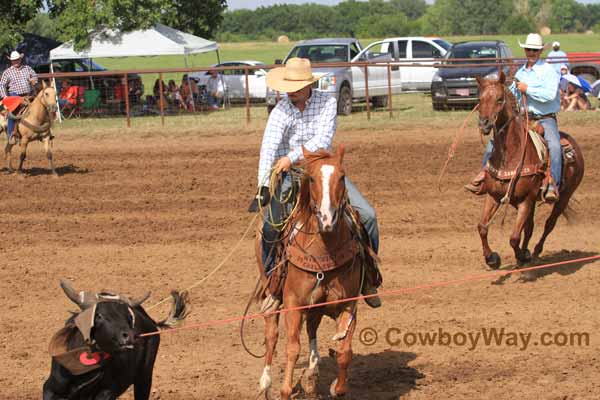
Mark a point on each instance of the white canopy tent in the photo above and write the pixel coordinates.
(156, 41)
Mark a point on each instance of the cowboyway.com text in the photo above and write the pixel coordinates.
(472, 339)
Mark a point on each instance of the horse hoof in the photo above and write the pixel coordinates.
(525, 257)
(333, 392)
(493, 260)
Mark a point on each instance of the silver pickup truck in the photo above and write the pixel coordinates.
(347, 84)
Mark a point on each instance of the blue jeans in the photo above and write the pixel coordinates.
(552, 137)
(212, 101)
(271, 234)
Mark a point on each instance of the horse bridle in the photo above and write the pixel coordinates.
(497, 113)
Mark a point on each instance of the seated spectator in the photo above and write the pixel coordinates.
(119, 90)
(187, 95)
(156, 90)
(174, 95)
(135, 91)
(67, 98)
(575, 98)
(214, 90)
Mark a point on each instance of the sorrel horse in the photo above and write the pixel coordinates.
(323, 263)
(515, 156)
(35, 123)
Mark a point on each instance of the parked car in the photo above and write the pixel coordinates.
(234, 80)
(105, 84)
(456, 87)
(424, 51)
(346, 84)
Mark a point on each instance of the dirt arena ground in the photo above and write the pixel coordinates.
(139, 214)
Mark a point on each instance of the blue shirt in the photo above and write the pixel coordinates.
(542, 88)
(557, 63)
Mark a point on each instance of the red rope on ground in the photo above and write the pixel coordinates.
(396, 292)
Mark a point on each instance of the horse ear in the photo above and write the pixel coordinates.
(479, 80)
(44, 85)
(502, 78)
(340, 152)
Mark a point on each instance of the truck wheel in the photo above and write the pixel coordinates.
(345, 101)
(380, 101)
(437, 106)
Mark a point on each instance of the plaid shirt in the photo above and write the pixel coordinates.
(288, 130)
(17, 81)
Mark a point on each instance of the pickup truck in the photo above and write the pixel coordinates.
(347, 84)
(589, 70)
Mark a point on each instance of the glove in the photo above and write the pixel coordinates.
(264, 197)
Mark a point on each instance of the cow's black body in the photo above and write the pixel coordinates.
(114, 334)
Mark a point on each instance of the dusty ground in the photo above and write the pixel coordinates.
(154, 214)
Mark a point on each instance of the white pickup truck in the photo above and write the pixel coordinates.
(347, 85)
(418, 50)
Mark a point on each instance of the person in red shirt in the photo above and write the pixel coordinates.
(68, 95)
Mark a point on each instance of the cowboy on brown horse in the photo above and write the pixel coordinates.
(305, 117)
(539, 82)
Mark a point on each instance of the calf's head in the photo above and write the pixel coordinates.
(106, 321)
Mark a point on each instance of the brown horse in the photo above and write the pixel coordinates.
(323, 263)
(514, 150)
(34, 123)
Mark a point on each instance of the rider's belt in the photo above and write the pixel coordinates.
(537, 117)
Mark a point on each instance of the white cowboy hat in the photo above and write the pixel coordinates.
(296, 75)
(533, 41)
(555, 44)
(15, 55)
(572, 79)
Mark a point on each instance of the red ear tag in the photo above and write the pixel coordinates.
(93, 358)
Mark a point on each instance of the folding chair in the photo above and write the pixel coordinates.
(91, 102)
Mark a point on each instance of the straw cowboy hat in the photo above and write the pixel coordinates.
(296, 75)
(15, 55)
(533, 41)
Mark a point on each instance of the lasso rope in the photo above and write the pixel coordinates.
(454, 145)
(217, 268)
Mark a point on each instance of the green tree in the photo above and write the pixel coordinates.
(199, 17)
(15, 15)
(467, 17)
(413, 9)
(42, 25)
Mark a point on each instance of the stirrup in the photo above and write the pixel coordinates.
(551, 196)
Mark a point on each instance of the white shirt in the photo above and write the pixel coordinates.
(288, 130)
(215, 85)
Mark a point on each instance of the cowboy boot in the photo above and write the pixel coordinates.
(476, 186)
(551, 194)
